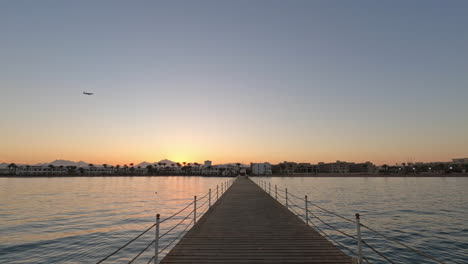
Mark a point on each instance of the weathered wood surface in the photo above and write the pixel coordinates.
(247, 225)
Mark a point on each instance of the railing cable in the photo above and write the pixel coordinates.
(168, 245)
(151, 259)
(141, 252)
(330, 212)
(180, 211)
(180, 222)
(128, 243)
(338, 243)
(401, 244)
(376, 251)
(332, 227)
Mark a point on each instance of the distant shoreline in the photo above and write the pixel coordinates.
(320, 175)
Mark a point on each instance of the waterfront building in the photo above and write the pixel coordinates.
(261, 168)
(366, 167)
(41, 170)
(336, 167)
(287, 167)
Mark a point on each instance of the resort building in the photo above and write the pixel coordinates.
(336, 167)
(41, 170)
(260, 168)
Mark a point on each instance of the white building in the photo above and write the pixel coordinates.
(222, 170)
(41, 170)
(260, 168)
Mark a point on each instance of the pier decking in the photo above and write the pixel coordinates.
(247, 225)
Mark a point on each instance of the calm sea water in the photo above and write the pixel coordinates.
(81, 220)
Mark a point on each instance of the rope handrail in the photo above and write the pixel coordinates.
(330, 212)
(180, 222)
(203, 204)
(206, 210)
(279, 195)
(203, 197)
(299, 198)
(294, 211)
(151, 259)
(332, 227)
(343, 246)
(376, 251)
(141, 252)
(176, 237)
(180, 211)
(199, 213)
(128, 243)
(351, 221)
(404, 245)
(283, 191)
(291, 202)
(227, 185)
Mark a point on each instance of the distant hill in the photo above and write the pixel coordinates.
(83, 164)
(4, 165)
(65, 163)
(144, 164)
(166, 161)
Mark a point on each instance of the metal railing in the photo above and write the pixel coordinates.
(199, 206)
(290, 201)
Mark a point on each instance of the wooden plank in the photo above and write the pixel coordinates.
(246, 225)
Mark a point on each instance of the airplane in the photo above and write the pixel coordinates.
(88, 93)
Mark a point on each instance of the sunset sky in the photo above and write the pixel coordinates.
(233, 81)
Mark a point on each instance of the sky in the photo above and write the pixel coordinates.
(233, 81)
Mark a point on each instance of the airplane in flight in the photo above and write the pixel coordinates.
(88, 93)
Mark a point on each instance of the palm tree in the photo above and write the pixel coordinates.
(51, 167)
(13, 167)
(90, 167)
(150, 168)
(105, 166)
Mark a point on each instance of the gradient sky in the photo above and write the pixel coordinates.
(385, 81)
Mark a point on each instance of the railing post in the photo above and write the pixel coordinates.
(222, 186)
(194, 209)
(156, 242)
(209, 198)
(306, 211)
(217, 196)
(269, 188)
(276, 192)
(286, 197)
(358, 229)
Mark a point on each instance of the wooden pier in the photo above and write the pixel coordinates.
(246, 225)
